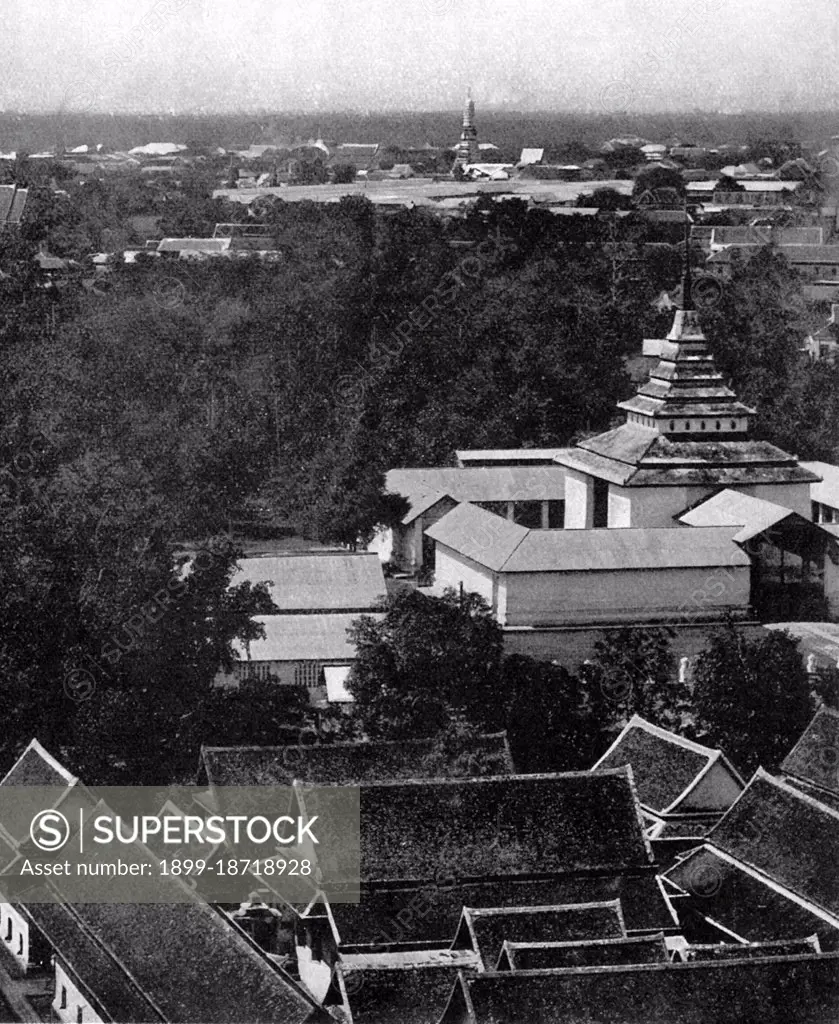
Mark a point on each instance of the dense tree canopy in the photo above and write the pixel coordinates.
(752, 697)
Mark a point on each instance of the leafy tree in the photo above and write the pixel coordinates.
(605, 199)
(752, 697)
(655, 179)
(633, 671)
(343, 174)
(550, 723)
(427, 660)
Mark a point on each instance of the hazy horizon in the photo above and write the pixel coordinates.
(349, 56)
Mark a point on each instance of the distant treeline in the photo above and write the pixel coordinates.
(508, 129)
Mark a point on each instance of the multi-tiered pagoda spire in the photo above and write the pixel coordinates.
(686, 396)
(467, 151)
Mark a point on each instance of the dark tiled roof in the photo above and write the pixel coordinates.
(104, 982)
(343, 764)
(486, 930)
(433, 911)
(663, 764)
(167, 949)
(536, 956)
(788, 836)
(527, 824)
(734, 951)
(743, 903)
(635, 456)
(815, 758)
(506, 547)
(36, 767)
(407, 995)
(789, 990)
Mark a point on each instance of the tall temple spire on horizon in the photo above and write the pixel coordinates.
(467, 151)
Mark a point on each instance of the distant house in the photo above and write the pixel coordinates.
(722, 237)
(531, 156)
(186, 248)
(767, 871)
(824, 342)
(318, 596)
(516, 490)
(360, 155)
(12, 205)
(684, 788)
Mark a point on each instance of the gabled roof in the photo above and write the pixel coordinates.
(487, 930)
(773, 990)
(403, 994)
(734, 508)
(636, 456)
(536, 956)
(743, 902)
(160, 952)
(503, 546)
(378, 917)
(815, 758)
(503, 826)
(827, 490)
(480, 483)
(665, 766)
(342, 764)
(482, 536)
(317, 582)
(37, 767)
(425, 502)
(787, 836)
(301, 638)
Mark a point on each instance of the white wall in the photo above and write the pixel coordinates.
(14, 931)
(314, 974)
(452, 569)
(382, 543)
(553, 598)
(794, 496)
(75, 1001)
(579, 490)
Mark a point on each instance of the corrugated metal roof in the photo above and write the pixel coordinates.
(317, 582)
(733, 508)
(480, 535)
(193, 244)
(594, 550)
(480, 483)
(503, 546)
(302, 638)
(827, 492)
(505, 454)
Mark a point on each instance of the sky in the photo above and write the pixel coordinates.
(378, 55)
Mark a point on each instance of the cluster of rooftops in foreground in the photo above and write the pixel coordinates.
(658, 886)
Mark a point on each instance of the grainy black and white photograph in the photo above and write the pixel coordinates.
(419, 512)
